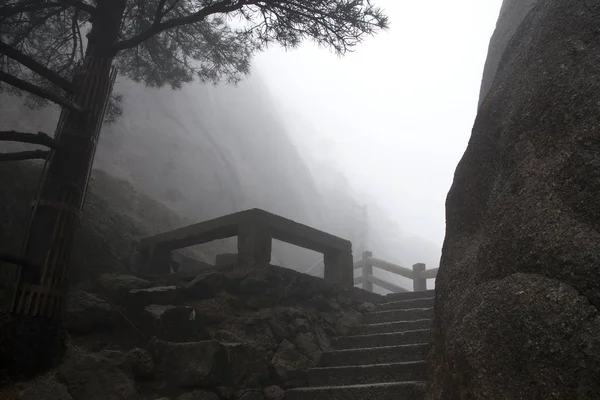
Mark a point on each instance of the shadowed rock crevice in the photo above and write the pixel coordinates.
(518, 290)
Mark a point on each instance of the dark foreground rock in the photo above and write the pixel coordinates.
(46, 389)
(97, 377)
(228, 334)
(87, 312)
(518, 290)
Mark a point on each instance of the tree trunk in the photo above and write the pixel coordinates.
(55, 215)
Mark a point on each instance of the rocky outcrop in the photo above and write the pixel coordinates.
(226, 333)
(518, 290)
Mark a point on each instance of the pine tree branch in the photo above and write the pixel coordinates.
(40, 138)
(44, 93)
(222, 7)
(24, 155)
(36, 67)
(84, 7)
(36, 5)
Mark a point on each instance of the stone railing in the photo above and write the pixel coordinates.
(255, 230)
(418, 274)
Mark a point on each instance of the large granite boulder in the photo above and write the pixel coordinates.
(518, 290)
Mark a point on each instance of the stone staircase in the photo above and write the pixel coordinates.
(383, 359)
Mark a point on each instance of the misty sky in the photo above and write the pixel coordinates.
(396, 114)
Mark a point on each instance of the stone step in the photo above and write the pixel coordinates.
(411, 314)
(390, 327)
(425, 302)
(377, 355)
(381, 339)
(376, 391)
(409, 295)
(363, 374)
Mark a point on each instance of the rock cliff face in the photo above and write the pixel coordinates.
(518, 291)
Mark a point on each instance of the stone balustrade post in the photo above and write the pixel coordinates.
(339, 268)
(367, 270)
(254, 245)
(156, 259)
(419, 283)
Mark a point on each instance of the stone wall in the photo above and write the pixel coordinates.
(518, 290)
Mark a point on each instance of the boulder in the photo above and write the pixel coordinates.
(273, 392)
(250, 395)
(300, 325)
(96, 377)
(255, 329)
(87, 312)
(289, 365)
(116, 284)
(307, 344)
(321, 338)
(225, 336)
(172, 323)
(205, 286)
(140, 362)
(198, 395)
(323, 304)
(226, 393)
(247, 365)
(280, 329)
(365, 307)
(253, 285)
(518, 289)
(347, 319)
(46, 389)
(190, 364)
(161, 295)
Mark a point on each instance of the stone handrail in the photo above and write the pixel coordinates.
(255, 230)
(418, 274)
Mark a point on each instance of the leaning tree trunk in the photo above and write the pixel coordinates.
(55, 215)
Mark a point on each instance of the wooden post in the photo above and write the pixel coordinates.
(367, 270)
(419, 283)
(339, 268)
(254, 245)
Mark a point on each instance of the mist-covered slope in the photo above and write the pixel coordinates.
(206, 151)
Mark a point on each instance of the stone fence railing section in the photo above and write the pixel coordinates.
(255, 230)
(419, 274)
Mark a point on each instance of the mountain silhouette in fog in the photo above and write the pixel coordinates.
(205, 151)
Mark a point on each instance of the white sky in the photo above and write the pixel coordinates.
(396, 114)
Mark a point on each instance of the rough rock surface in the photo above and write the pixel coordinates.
(87, 312)
(231, 334)
(45, 390)
(140, 362)
(274, 392)
(190, 364)
(518, 290)
(289, 364)
(119, 284)
(198, 395)
(97, 377)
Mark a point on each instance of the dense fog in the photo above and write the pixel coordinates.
(371, 165)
